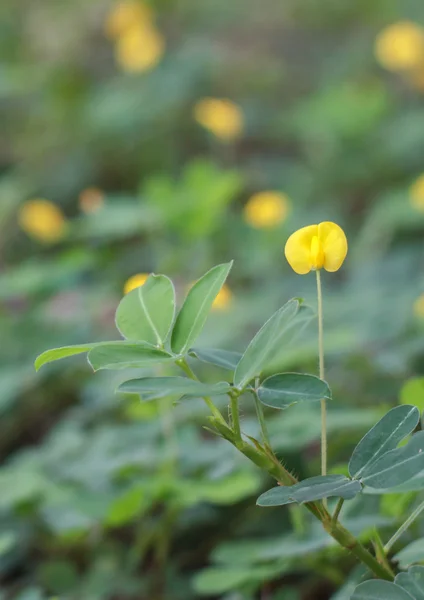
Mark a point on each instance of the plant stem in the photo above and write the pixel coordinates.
(403, 527)
(339, 507)
(235, 417)
(261, 419)
(348, 541)
(273, 466)
(322, 376)
(183, 364)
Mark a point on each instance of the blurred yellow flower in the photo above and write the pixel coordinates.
(400, 46)
(315, 247)
(126, 15)
(223, 299)
(91, 200)
(266, 209)
(42, 220)
(135, 281)
(221, 117)
(419, 307)
(139, 49)
(416, 193)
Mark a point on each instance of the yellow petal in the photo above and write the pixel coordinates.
(135, 281)
(334, 243)
(298, 249)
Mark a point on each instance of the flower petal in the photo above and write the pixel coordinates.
(334, 243)
(298, 249)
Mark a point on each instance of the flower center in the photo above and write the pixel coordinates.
(317, 254)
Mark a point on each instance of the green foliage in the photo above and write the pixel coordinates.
(227, 359)
(407, 586)
(383, 437)
(159, 387)
(308, 490)
(397, 466)
(146, 314)
(194, 312)
(276, 331)
(284, 389)
(126, 355)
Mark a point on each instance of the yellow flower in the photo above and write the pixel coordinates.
(266, 209)
(126, 15)
(400, 46)
(221, 117)
(91, 200)
(419, 307)
(416, 193)
(223, 299)
(139, 49)
(135, 281)
(315, 247)
(42, 220)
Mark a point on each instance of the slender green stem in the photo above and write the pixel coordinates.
(261, 419)
(339, 507)
(403, 527)
(235, 417)
(322, 376)
(183, 364)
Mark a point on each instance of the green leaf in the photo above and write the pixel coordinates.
(146, 314)
(59, 353)
(285, 389)
(227, 359)
(412, 582)
(314, 488)
(126, 355)
(412, 553)
(127, 507)
(158, 387)
(276, 332)
(196, 307)
(383, 437)
(397, 466)
(380, 590)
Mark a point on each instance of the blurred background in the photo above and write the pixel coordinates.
(169, 136)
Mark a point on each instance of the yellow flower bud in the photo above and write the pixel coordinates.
(400, 46)
(266, 210)
(221, 117)
(316, 247)
(135, 281)
(42, 220)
